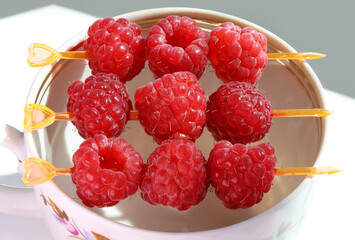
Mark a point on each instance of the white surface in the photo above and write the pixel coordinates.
(332, 213)
(332, 206)
(52, 25)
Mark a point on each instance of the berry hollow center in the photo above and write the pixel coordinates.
(114, 163)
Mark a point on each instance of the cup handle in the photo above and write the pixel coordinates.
(15, 200)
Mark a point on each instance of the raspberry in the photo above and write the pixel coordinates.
(238, 112)
(106, 171)
(100, 105)
(241, 175)
(172, 107)
(175, 175)
(117, 47)
(237, 54)
(177, 44)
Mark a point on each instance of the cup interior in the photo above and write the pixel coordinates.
(297, 141)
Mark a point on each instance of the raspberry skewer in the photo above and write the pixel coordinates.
(49, 55)
(174, 44)
(52, 171)
(106, 171)
(38, 116)
(240, 113)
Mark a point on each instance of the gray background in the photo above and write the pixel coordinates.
(318, 26)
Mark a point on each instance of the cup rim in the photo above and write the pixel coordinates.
(152, 13)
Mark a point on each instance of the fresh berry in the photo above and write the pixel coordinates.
(177, 44)
(237, 54)
(106, 171)
(175, 175)
(238, 112)
(172, 107)
(100, 105)
(241, 175)
(117, 47)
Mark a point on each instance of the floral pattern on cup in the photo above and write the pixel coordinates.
(75, 232)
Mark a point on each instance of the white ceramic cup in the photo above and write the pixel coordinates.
(298, 142)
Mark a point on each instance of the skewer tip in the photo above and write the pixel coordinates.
(307, 171)
(330, 170)
(313, 55)
(324, 112)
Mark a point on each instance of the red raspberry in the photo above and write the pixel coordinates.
(100, 105)
(237, 54)
(117, 47)
(175, 175)
(238, 112)
(106, 171)
(177, 44)
(172, 107)
(241, 175)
